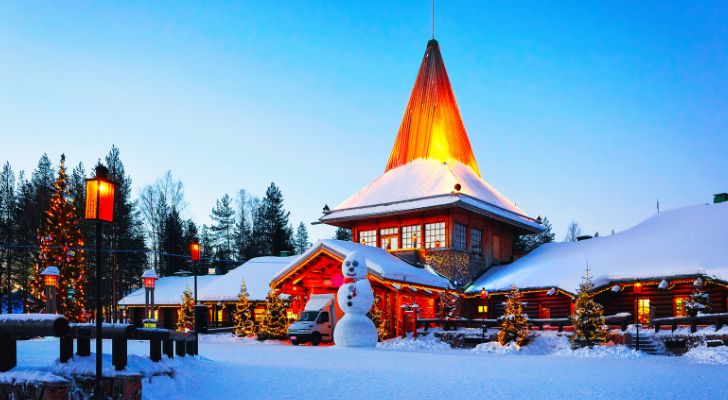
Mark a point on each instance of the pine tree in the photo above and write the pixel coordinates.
(342, 234)
(588, 317)
(301, 243)
(379, 318)
(699, 302)
(275, 320)
(7, 234)
(60, 245)
(244, 321)
(527, 243)
(42, 181)
(223, 229)
(26, 231)
(173, 245)
(243, 227)
(450, 305)
(186, 312)
(515, 323)
(275, 228)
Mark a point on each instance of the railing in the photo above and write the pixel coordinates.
(706, 319)
(23, 326)
(622, 320)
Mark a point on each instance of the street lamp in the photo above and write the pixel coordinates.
(149, 278)
(484, 296)
(99, 208)
(637, 290)
(200, 309)
(50, 278)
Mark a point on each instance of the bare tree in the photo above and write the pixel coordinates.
(155, 203)
(572, 232)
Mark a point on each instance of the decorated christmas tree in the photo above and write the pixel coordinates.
(244, 323)
(588, 317)
(186, 312)
(275, 321)
(450, 306)
(380, 318)
(515, 323)
(699, 302)
(60, 245)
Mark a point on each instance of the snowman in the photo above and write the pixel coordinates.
(355, 298)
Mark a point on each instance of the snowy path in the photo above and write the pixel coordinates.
(240, 370)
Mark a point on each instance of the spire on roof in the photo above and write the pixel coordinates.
(431, 127)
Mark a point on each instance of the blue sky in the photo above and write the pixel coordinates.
(585, 112)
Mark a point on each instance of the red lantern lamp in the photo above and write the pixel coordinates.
(100, 196)
(195, 251)
(638, 287)
(149, 278)
(50, 276)
(483, 294)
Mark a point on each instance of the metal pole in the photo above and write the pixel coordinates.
(99, 338)
(195, 313)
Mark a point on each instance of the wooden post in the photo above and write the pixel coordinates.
(83, 347)
(179, 347)
(693, 325)
(190, 346)
(119, 352)
(66, 344)
(8, 352)
(168, 347)
(155, 350)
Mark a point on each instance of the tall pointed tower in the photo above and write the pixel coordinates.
(431, 206)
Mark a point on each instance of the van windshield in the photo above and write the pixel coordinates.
(308, 316)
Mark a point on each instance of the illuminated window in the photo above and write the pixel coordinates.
(483, 309)
(460, 239)
(410, 236)
(643, 311)
(368, 238)
(544, 312)
(435, 235)
(389, 238)
(476, 241)
(680, 306)
(259, 314)
(219, 315)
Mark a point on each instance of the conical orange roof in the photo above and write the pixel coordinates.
(431, 127)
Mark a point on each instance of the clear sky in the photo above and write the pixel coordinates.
(583, 111)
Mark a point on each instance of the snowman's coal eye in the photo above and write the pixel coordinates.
(348, 263)
(356, 263)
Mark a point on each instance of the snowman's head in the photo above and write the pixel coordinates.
(354, 266)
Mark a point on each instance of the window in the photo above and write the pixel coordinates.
(544, 312)
(259, 314)
(323, 318)
(460, 240)
(482, 309)
(680, 306)
(643, 311)
(389, 238)
(435, 235)
(368, 238)
(476, 241)
(219, 314)
(410, 236)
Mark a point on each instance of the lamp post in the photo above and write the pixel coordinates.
(637, 290)
(484, 296)
(195, 257)
(99, 208)
(50, 278)
(149, 278)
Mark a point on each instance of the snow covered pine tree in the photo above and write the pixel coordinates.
(699, 302)
(244, 324)
(515, 323)
(185, 314)
(588, 317)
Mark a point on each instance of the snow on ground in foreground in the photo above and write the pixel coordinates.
(555, 344)
(708, 355)
(243, 369)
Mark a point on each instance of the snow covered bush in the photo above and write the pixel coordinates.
(515, 323)
(699, 302)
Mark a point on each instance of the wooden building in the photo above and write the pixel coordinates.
(397, 284)
(431, 205)
(654, 264)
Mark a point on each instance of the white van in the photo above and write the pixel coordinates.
(317, 321)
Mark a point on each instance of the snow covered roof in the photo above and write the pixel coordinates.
(257, 273)
(168, 290)
(422, 184)
(380, 263)
(685, 241)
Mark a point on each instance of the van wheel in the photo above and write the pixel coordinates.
(315, 339)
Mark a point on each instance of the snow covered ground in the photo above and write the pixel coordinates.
(422, 369)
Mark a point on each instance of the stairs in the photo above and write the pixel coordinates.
(647, 344)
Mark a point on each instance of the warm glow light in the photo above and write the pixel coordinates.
(100, 197)
(638, 287)
(195, 251)
(50, 280)
(483, 294)
(432, 127)
(149, 282)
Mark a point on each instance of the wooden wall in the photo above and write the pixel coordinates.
(558, 304)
